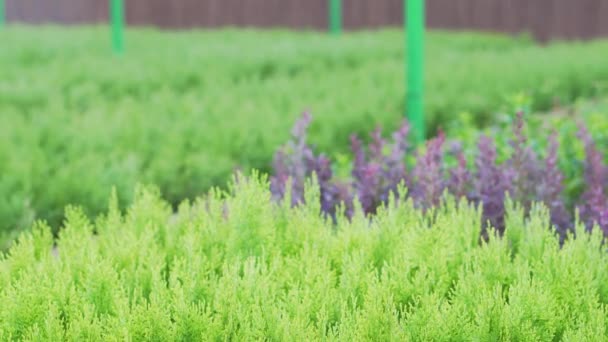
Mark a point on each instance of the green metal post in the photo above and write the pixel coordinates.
(2, 13)
(117, 15)
(335, 16)
(415, 22)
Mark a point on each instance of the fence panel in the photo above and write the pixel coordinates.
(546, 19)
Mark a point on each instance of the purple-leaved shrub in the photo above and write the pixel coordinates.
(296, 162)
(594, 206)
(523, 169)
(429, 175)
(490, 184)
(459, 182)
(550, 188)
(379, 169)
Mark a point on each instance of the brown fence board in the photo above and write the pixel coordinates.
(546, 19)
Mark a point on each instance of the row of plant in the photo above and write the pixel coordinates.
(240, 266)
(384, 168)
(183, 110)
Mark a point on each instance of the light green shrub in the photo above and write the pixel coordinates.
(239, 267)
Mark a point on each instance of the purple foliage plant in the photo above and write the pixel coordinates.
(594, 208)
(429, 175)
(379, 168)
(490, 185)
(296, 162)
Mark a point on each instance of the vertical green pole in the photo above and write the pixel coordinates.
(2, 13)
(335, 16)
(117, 18)
(415, 21)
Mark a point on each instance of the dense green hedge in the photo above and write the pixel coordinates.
(240, 267)
(182, 110)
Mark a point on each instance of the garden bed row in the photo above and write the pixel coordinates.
(75, 122)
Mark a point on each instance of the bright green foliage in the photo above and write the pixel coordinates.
(182, 110)
(239, 267)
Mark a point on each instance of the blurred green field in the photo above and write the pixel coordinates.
(183, 110)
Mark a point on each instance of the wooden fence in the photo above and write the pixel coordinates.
(546, 19)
